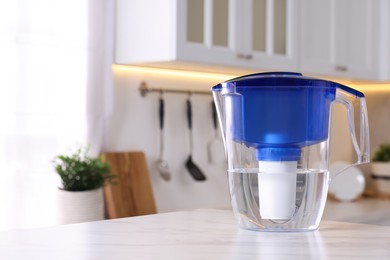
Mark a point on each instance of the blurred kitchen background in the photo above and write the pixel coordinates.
(71, 73)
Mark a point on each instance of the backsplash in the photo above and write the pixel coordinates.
(135, 127)
(378, 106)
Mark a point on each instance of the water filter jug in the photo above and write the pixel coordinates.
(275, 128)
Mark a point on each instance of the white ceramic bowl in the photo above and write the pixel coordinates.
(347, 185)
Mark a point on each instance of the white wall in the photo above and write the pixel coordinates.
(378, 106)
(135, 127)
(340, 142)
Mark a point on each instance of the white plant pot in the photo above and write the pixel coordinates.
(381, 176)
(80, 206)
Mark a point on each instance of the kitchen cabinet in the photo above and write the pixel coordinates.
(345, 38)
(270, 40)
(208, 34)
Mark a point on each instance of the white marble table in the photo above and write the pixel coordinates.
(365, 211)
(200, 234)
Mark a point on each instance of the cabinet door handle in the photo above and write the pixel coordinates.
(244, 56)
(248, 56)
(240, 56)
(341, 68)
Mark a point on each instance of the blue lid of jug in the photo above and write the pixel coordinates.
(273, 79)
(278, 113)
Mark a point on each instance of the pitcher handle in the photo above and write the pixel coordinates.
(348, 97)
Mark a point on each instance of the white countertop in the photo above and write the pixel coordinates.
(200, 234)
(364, 210)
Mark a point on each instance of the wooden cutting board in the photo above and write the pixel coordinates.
(133, 194)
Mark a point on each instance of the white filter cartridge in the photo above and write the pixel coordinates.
(277, 189)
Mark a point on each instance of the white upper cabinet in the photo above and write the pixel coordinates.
(271, 28)
(337, 38)
(345, 38)
(206, 31)
(208, 34)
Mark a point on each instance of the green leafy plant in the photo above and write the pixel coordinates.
(382, 154)
(79, 172)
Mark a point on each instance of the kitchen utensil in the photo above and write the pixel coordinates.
(276, 134)
(161, 164)
(194, 170)
(215, 145)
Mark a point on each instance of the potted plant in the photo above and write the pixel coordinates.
(80, 198)
(380, 168)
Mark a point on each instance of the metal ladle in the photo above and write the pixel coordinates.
(161, 164)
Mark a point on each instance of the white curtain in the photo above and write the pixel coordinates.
(55, 83)
(100, 81)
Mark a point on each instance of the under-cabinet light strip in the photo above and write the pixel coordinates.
(175, 73)
(361, 86)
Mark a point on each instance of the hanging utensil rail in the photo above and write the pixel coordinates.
(145, 89)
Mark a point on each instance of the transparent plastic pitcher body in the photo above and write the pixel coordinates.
(276, 135)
